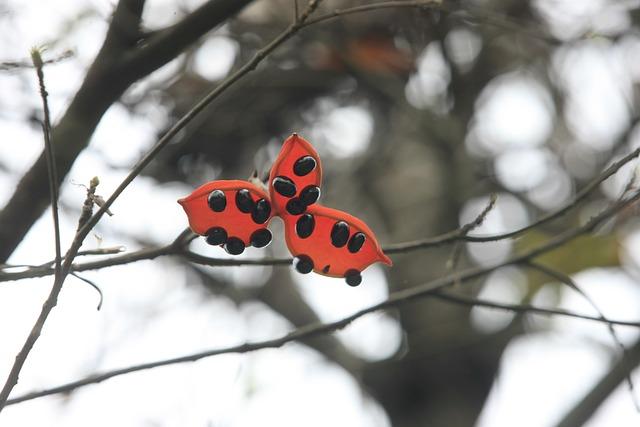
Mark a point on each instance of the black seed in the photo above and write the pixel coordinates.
(305, 225)
(356, 242)
(296, 206)
(234, 246)
(340, 234)
(326, 268)
(216, 236)
(261, 211)
(353, 278)
(261, 238)
(304, 165)
(217, 200)
(303, 264)
(309, 195)
(244, 202)
(284, 186)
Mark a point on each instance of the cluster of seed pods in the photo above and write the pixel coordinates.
(235, 214)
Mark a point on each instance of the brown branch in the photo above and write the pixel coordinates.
(94, 286)
(580, 196)
(298, 335)
(13, 65)
(49, 155)
(525, 308)
(422, 4)
(50, 302)
(589, 404)
(567, 280)
(395, 299)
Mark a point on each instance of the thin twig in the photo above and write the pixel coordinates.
(584, 409)
(375, 6)
(296, 12)
(567, 280)
(466, 228)
(395, 299)
(49, 154)
(526, 308)
(94, 286)
(14, 65)
(580, 196)
(51, 301)
(311, 330)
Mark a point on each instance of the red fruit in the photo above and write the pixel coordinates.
(295, 177)
(335, 243)
(232, 213)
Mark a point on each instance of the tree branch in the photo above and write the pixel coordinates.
(50, 302)
(567, 280)
(49, 156)
(589, 404)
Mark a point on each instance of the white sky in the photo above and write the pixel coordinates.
(151, 311)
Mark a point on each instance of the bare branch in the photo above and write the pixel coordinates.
(21, 357)
(14, 65)
(466, 228)
(525, 308)
(50, 155)
(589, 404)
(94, 286)
(580, 196)
(567, 280)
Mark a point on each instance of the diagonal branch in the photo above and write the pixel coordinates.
(525, 308)
(589, 404)
(567, 280)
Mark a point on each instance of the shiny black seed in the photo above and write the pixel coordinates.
(261, 238)
(303, 264)
(353, 278)
(309, 195)
(261, 211)
(356, 242)
(305, 225)
(304, 165)
(216, 236)
(284, 186)
(340, 234)
(326, 268)
(217, 200)
(295, 206)
(244, 202)
(234, 246)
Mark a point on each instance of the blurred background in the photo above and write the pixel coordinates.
(419, 115)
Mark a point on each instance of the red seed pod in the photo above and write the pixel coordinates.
(295, 177)
(332, 243)
(233, 214)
